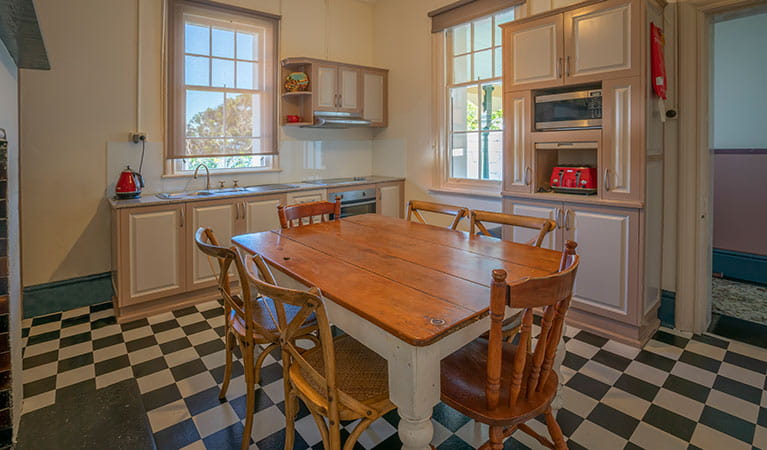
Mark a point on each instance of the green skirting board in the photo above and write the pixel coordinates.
(62, 295)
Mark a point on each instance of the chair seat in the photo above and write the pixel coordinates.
(360, 373)
(265, 314)
(463, 386)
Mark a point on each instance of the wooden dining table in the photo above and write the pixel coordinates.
(413, 293)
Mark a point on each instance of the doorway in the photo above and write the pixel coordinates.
(738, 142)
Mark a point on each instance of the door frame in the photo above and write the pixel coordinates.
(695, 186)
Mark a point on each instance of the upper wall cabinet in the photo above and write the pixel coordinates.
(374, 94)
(592, 43)
(338, 88)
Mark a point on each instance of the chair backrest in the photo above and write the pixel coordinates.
(415, 206)
(293, 215)
(242, 304)
(535, 223)
(307, 302)
(553, 294)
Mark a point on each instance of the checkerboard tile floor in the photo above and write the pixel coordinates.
(680, 391)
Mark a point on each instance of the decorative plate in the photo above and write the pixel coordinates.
(296, 81)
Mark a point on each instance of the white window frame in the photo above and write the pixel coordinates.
(441, 121)
(175, 56)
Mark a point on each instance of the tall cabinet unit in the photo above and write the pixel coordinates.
(604, 44)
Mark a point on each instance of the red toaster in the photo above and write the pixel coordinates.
(574, 179)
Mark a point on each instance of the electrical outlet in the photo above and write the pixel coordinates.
(137, 137)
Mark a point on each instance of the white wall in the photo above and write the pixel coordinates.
(739, 75)
(9, 120)
(76, 118)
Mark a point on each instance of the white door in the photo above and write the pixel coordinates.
(325, 89)
(543, 210)
(155, 239)
(533, 54)
(621, 177)
(598, 42)
(518, 154)
(374, 98)
(219, 217)
(389, 203)
(349, 84)
(607, 245)
(261, 214)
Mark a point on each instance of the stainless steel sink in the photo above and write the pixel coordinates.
(192, 194)
(272, 187)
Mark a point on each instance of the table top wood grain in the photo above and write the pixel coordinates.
(417, 282)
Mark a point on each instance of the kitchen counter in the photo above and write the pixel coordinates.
(153, 199)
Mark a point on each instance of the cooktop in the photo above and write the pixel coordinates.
(327, 181)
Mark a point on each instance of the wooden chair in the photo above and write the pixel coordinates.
(504, 385)
(249, 322)
(293, 215)
(535, 223)
(415, 206)
(340, 379)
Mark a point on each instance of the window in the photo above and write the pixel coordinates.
(473, 143)
(221, 89)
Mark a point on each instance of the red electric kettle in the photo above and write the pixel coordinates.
(129, 184)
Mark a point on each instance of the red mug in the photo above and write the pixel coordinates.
(293, 118)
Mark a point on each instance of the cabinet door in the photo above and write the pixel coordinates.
(261, 213)
(546, 210)
(220, 216)
(325, 87)
(390, 200)
(622, 140)
(518, 151)
(533, 54)
(349, 90)
(607, 240)
(374, 95)
(153, 253)
(306, 197)
(602, 41)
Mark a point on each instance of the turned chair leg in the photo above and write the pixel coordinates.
(228, 368)
(496, 439)
(555, 431)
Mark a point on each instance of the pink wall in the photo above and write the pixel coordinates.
(740, 201)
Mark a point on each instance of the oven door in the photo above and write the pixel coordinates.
(569, 110)
(357, 208)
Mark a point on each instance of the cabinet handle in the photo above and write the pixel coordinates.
(237, 211)
(242, 212)
(606, 180)
(567, 220)
(567, 66)
(181, 212)
(558, 219)
(559, 68)
(528, 175)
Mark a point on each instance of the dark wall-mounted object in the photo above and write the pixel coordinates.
(20, 32)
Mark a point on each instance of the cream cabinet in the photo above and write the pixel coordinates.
(221, 216)
(544, 210)
(260, 213)
(150, 253)
(518, 155)
(622, 174)
(391, 199)
(374, 97)
(337, 87)
(534, 52)
(306, 197)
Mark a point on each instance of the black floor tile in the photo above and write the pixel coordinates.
(746, 362)
(110, 365)
(75, 339)
(165, 326)
(449, 417)
(83, 389)
(161, 397)
(700, 361)
(738, 389)
(613, 420)
(103, 322)
(762, 419)
(590, 338)
(174, 346)
(184, 311)
(42, 320)
(75, 362)
(107, 341)
(72, 321)
(43, 337)
(710, 340)
(568, 421)
(738, 329)
(261, 402)
(610, 359)
(101, 307)
(637, 387)
(671, 339)
(140, 343)
(574, 361)
(277, 441)
(215, 312)
(149, 367)
(39, 386)
(196, 328)
(229, 437)
(589, 386)
(187, 369)
(655, 360)
(456, 443)
(177, 436)
(132, 325)
(670, 422)
(39, 360)
(209, 347)
(218, 372)
(270, 373)
(728, 424)
(687, 388)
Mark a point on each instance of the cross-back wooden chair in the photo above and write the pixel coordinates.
(249, 321)
(293, 215)
(340, 379)
(414, 208)
(477, 217)
(505, 385)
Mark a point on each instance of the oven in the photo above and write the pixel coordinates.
(353, 203)
(569, 110)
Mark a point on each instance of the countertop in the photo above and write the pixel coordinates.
(154, 200)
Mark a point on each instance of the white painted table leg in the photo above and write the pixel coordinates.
(558, 401)
(414, 388)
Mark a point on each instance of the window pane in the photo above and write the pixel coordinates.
(494, 143)
(465, 108)
(492, 107)
(242, 145)
(223, 73)
(204, 113)
(241, 118)
(505, 16)
(498, 63)
(223, 43)
(247, 46)
(461, 39)
(483, 33)
(483, 65)
(197, 70)
(463, 156)
(461, 68)
(196, 39)
(246, 75)
(226, 162)
(205, 146)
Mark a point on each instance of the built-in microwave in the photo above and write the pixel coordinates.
(568, 110)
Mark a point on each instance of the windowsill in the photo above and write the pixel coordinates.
(467, 192)
(222, 172)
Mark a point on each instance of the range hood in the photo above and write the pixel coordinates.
(336, 119)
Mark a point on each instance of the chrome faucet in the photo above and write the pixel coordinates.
(207, 175)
